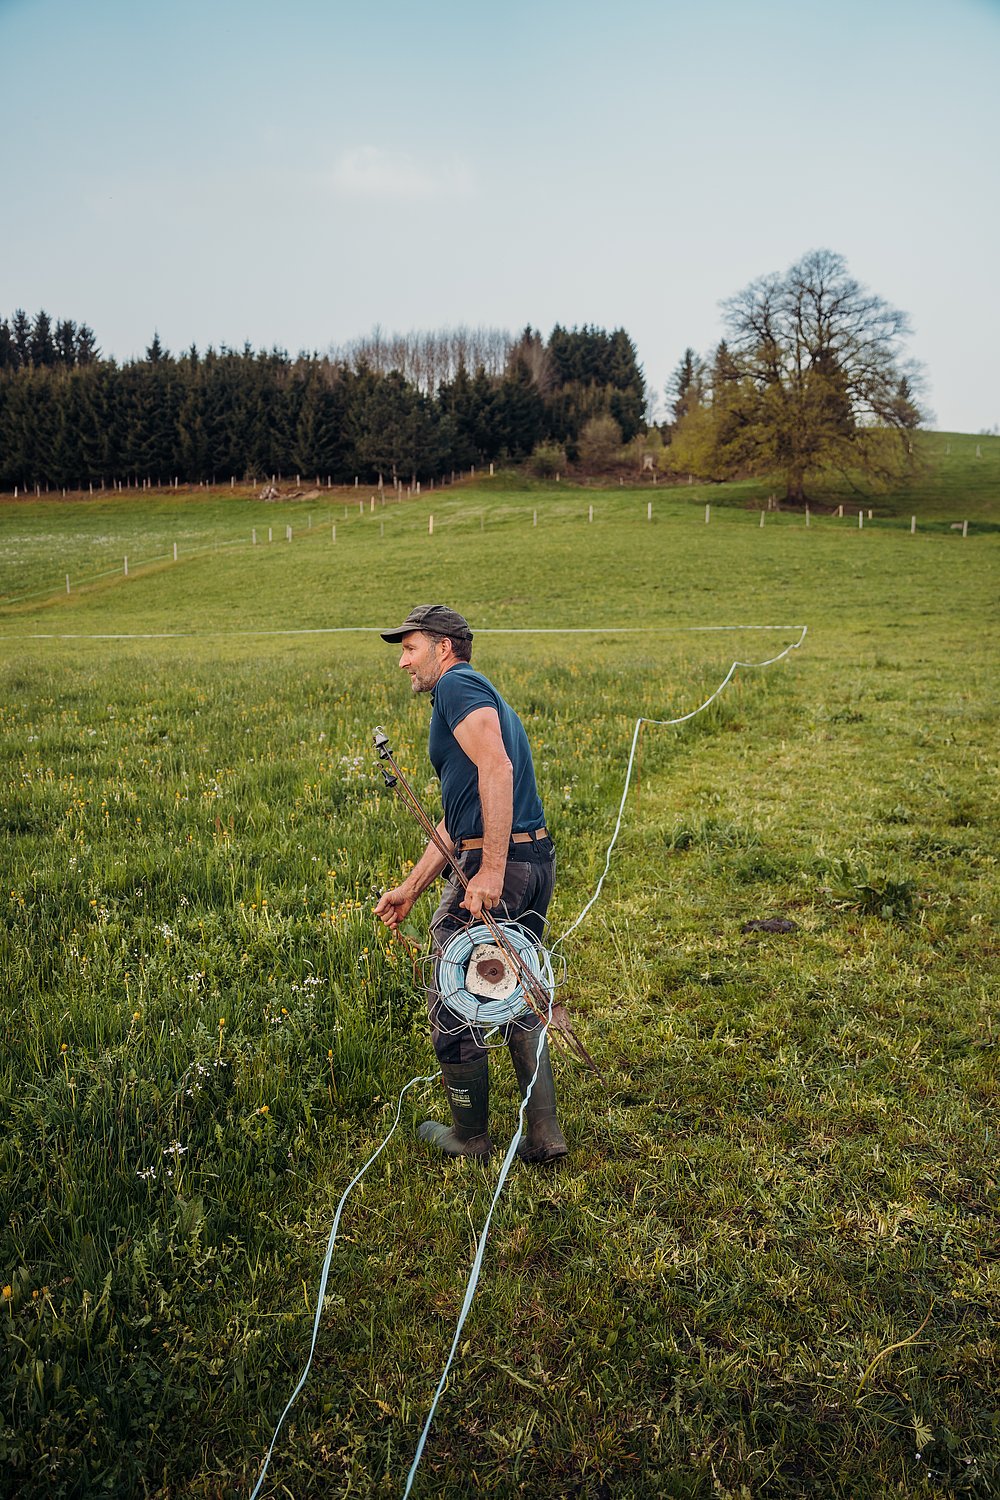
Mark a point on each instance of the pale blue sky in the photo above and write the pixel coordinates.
(294, 173)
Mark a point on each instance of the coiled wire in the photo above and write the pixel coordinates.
(451, 969)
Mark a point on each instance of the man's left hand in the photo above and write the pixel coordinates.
(483, 892)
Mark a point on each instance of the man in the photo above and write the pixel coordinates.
(493, 821)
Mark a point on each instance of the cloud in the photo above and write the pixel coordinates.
(372, 172)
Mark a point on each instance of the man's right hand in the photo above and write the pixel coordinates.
(394, 907)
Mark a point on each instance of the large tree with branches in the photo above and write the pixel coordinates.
(813, 378)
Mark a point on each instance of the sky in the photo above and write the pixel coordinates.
(296, 172)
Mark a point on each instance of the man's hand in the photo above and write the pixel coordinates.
(394, 907)
(484, 890)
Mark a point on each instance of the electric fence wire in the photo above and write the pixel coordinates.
(220, 635)
(683, 719)
(477, 1261)
(475, 1269)
(321, 1293)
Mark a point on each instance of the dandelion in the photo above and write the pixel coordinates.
(8, 1292)
(265, 1109)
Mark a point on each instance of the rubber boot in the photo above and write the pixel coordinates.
(468, 1088)
(544, 1142)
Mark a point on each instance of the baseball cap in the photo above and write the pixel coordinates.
(436, 619)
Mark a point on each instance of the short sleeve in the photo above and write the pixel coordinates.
(458, 694)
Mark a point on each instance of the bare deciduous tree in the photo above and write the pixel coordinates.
(429, 358)
(814, 377)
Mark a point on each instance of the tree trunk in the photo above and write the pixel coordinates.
(795, 493)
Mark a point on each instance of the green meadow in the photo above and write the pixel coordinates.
(769, 1267)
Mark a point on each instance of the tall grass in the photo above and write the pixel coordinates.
(769, 1266)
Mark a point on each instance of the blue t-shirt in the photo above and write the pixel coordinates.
(458, 692)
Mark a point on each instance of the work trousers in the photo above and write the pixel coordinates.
(527, 891)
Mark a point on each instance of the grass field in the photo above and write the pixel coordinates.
(770, 1265)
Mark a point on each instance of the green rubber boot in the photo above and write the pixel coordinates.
(468, 1088)
(544, 1143)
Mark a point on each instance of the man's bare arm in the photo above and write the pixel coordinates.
(480, 737)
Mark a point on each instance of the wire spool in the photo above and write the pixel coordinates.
(477, 981)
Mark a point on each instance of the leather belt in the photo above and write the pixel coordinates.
(515, 838)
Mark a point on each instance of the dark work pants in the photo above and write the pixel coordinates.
(527, 891)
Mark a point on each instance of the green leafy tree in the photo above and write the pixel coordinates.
(818, 382)
(600, 442)
(547, 460)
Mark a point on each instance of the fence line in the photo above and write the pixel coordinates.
(448, 520)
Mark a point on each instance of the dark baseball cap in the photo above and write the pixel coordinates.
(435, 619)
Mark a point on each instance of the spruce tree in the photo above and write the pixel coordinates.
(42, 347)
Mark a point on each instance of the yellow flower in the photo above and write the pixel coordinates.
(265, 1109)
(8, 1292)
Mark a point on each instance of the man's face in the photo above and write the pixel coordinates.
(421, 656)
